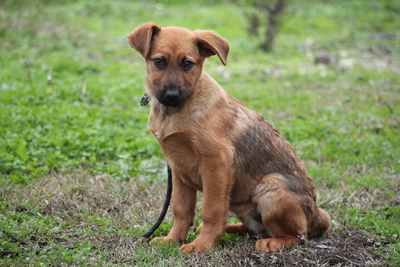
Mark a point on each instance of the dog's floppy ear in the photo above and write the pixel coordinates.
(140, 38)
(210, 44)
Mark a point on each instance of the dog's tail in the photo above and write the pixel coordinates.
(320, 224)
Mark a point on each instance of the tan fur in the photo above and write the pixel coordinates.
(215, 144)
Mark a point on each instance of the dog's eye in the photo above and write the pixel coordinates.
(159, 63)
(187, 65)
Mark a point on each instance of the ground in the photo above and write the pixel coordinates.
(78, 200)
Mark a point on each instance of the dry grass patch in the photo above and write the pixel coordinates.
(108, 213)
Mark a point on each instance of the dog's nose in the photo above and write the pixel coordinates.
(172, 96)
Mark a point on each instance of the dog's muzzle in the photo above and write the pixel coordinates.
(172, 98)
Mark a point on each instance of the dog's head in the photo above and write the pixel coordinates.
(174, 58)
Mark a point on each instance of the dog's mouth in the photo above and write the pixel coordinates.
(172, 98)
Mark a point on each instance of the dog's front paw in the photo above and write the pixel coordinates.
(163, 240)
(195, 247)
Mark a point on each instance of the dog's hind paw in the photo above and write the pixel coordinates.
(275, 244)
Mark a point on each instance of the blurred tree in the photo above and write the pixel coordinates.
(254, 23)
(272, 10)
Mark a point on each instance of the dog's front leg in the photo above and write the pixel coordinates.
(183, 208)
(216, 188)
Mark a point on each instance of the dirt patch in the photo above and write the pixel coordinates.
(344, 248)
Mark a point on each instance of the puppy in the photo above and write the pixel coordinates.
(215, 144)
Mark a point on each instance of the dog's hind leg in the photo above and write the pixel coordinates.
(281, 213)
(237, 229)
(320, 224)
(250, 218)
(231, 228)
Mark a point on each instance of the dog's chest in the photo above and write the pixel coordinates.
(184, 157)
(162, 125)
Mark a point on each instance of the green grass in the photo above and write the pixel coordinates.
(58, 145)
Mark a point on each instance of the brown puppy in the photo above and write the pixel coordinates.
(215, 144)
